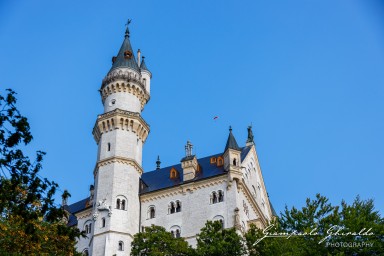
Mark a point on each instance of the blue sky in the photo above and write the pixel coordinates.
(307, 74)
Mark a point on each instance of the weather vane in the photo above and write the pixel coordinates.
(128, 22)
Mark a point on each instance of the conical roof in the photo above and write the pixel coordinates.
(143, 66)
(231, 142)
(125, 58)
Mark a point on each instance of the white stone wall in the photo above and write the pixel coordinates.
(83, 243)
(116, 180)
(196, 207)
(123, 101)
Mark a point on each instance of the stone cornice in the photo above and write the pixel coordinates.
(112, 231)
(185, 188)
(123, 120)
(124, 81)
(118, 159)
(84, 214)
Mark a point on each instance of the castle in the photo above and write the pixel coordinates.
(227, 186)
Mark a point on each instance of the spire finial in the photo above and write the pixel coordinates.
(158, 162)
(126, 28)
(230, 128)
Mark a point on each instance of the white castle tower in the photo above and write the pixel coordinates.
(120, 133)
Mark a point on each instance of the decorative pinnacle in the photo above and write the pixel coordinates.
(230, 128)
(188, 149)
(158, 162)
(126, 28)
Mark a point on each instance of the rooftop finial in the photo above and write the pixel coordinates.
(126, 28)
(230, 128)
(158, 162)
(188, 149)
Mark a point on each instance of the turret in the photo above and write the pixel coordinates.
(232, 157)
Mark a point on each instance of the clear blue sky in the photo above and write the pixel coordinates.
(307, 74)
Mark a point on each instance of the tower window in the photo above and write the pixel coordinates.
(123, 204)
(118, 204)
(221, 196)
(172, 208)
(121, 246)
(177, 233)
(109, 146)
(103, 222)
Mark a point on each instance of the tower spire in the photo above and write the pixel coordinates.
(231, 142)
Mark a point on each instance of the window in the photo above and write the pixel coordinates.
(254, 191)
(217, 197)
(103, 222)
(172, 208)
(220, 219)
(121, 246)
(88, 228)
(121, 203)
(151, 212)
(214, 198)
(213, 160)
(85, 252)
(234, 161)
(109, 146)
(178, 206)
(221, 196)
(175, 231)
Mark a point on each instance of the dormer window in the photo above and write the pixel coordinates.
(213, 160)
(173, 173)
(220, 161)
(127, 54)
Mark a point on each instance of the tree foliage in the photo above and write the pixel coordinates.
(312, 230)
(29, 220)
(214, 240)
(156, 241)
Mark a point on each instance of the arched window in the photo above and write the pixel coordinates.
(175, 231)
(123, 204)
(89, 228)
(234, 161)
(151, 212)
(172, 208)
(220, 219)
(103, 222)
(85, 252)
(121, 246)
(118, 204)
(221, 196)
(178, 206)
(214, 197)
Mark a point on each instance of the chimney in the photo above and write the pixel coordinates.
(189, 163)
(158, 162)
(138, 57)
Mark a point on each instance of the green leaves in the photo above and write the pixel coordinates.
(26, 200)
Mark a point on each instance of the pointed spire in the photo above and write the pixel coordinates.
(158, 162)
(250, 136)
(231, 142)
(143, 66)
(125, 58)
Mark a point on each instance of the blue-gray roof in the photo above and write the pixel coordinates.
(231, 142)
(160, 179)
(122, 60)
(74, 208)
(143, 66)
